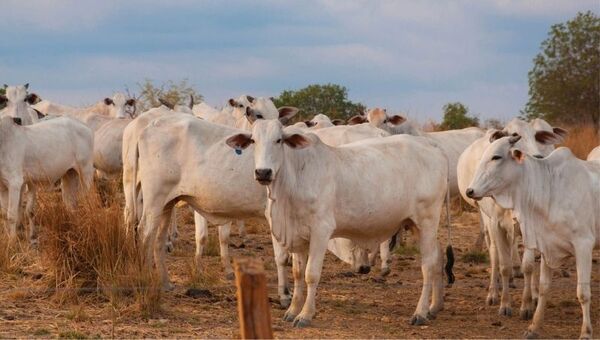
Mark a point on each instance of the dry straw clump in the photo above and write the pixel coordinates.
(87, 251)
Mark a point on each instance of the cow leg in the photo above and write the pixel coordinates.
(160, 249)
(538, 317)
(29, 213)
(12, 213)
(70, 188)
(298, 267)
(583, 259)
(314, 266)
(172, 231)
(478, 245)
(516, 258)
(492, 297)
(527, 306)
(431, 268)
(3, 199)
(224, 232)
(384, 254)
(241, 224)
(201, 233)
(281, 258)
(503, 240)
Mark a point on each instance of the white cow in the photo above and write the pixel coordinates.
(316, 192)
(18, 103)
(594, 155)
(108, 146)
(41, 154)
(196, 166)
(557, 203)
(497, 221)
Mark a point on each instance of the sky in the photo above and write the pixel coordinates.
(407, 56)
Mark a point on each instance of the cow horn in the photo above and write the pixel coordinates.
(191, 101)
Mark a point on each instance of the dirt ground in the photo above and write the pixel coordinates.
(349, 305)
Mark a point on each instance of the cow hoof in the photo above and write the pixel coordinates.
(288, 316)
(526, 314)
(517, 273)
(512, 284)
(285, 302)
(364, 269)
(535, 301)
(301, 322)
(229, 276)
(418, 320)
(170, 247)
(385, 271)
(529, 334)
(491, 300)
(505, 311)
(431, 315)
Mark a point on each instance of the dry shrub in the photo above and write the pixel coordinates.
(581, 140)
(206, 278)
(13, 256)
(88, 251)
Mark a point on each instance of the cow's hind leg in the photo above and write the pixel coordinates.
(384, 254)
(70, 184)
(493, 291)
(503, 238)
(431, 267)
(224, 233)
(30, 215)
(160, 249)
(201, 236)
(544, 289)
(583, 258)
(12, 213)
(527, 306)
(281, 258)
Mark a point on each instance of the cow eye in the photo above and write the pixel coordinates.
(278, 141)
(495, 158)
(515, 134)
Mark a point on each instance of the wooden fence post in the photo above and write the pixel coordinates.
(254, 310)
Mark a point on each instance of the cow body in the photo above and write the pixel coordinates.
(41, 154)
(334, 195)
(108, 146)
(557, 203)
(497, 221)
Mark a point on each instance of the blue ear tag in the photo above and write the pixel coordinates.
(238, 151)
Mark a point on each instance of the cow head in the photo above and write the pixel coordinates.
(379, 118)
(498, 169)
(537, 138)
(239, 105)
(270, 139)
(119, 106)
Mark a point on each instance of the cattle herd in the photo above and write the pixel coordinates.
(349, 188)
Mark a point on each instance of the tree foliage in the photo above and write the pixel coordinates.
(174, 93)
(329, 99)
(456, 117)
(564, 84)
(2, 92)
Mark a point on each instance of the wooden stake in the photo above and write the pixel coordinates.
(254, 310)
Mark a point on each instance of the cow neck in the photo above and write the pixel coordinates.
(19, 110)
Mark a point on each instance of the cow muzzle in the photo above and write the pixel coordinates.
(263, 176)
(471, 194)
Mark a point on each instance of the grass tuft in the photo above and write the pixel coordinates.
(474, 256)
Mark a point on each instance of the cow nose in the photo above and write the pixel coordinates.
(470, 193)
(538, 156)
(263, 174)
(364, 269)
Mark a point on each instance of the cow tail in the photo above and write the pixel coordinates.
(134, 187)
(449, 250)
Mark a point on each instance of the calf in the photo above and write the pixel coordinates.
(316, 192)
(557, 202)
(41, 154)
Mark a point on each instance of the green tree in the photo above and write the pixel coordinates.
(2, 92)
(172, 92)
(329, 99)
(564, 84)
(456, 117)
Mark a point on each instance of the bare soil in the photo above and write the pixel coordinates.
(349, 305)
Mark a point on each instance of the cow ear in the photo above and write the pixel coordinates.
(26, 86)
(32, 98)
(108, 101)
(517, 155)
(239, 141)
(130, 102)
(296, 141)
(250, 99)
(17, 120)
(310, 123)
(547, 137)
(337, 122)
(358, 119)
(396, 120)
(497, 135)
(251, 115)
(287, 112)
(231, 102)
(562, 133)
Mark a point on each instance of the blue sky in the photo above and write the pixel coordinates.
(406, 56)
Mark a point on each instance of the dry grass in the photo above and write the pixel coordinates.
(581, 140)
(87, 252)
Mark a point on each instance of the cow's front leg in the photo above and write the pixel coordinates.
(13, 210)
(201, 236)
(316, 254)
(384, 253)
(298, 267)
(503, 238)
(583, 258)
(544, 289)
(281, 258)
(527, 306)
(224, 232)
(29, 213)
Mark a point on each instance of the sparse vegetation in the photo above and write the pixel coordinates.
(406, 249)
(475, 257)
